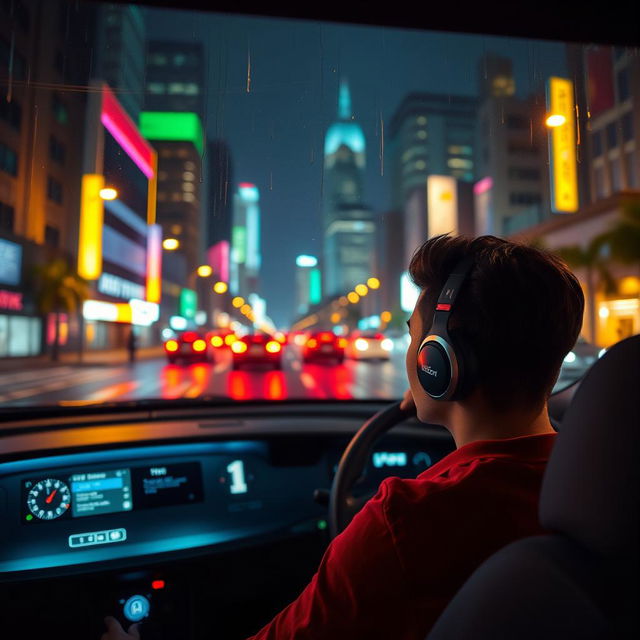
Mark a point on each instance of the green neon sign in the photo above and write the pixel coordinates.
(188, 303)
(315, 286)
(239, 244)
(172, 126)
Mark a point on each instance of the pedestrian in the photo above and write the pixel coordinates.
(132, 346)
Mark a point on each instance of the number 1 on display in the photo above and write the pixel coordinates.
(238, 482)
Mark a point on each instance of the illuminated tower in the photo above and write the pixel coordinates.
(349, 231)
(245, 240)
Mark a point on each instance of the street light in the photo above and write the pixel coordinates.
(237, 302)
(220, 287)
(204, 271)
(555, 120)
(170, 244)
(353, 297)
(373, 283)
(108, 193)
(362, 289)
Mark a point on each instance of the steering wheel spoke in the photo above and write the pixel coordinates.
(342, 504)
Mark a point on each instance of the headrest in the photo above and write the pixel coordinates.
(591, 488)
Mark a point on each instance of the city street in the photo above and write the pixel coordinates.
(155, 378)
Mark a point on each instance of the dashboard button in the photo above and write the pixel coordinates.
(136, 608)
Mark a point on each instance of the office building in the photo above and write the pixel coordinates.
(430, 134)
(175, 77)
(511, 153)
(308, 284)
(245, 259)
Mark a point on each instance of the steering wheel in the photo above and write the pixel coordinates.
(342, 504)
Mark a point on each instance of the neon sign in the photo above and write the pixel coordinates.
(10, 300)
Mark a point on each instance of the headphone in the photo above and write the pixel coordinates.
(446, 367)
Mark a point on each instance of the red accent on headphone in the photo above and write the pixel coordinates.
(443, 307)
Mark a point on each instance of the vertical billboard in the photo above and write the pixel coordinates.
(442, 205)
(562, 146)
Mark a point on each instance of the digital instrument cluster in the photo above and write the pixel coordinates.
(92, 493)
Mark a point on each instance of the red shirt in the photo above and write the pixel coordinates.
(396, 566)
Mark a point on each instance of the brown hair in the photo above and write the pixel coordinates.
(520, 310)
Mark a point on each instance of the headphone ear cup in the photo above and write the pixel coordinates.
(433, 369)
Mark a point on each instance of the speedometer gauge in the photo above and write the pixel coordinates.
(49, 499)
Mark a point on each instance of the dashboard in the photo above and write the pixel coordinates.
(124, 505)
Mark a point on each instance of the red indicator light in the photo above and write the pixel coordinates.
(157, 584)
(443, 307)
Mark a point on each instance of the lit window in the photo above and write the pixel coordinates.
(459, 163)
(422, 135)
(188, 186)
(191, 89)
(189, 176)
(460, 150)
(176, 88)
(421, 120)
(176, 197)
(156, 88)
(176, 229)
(421, 165)
(188, 197)
(179, 59)
(189, 166)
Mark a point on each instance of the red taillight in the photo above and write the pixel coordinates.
(342, 343)
(199, 345)
(190, 336)
(273, 346)
(326, 337)
(312, 343)
(379, 336)
(171, 345)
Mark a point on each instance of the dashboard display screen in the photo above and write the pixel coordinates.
(100, 492)
(161, 486)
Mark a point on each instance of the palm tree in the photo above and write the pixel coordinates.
(594, 259)
(59, 289)
(624, 236)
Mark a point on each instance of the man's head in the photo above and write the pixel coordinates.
(519, 309)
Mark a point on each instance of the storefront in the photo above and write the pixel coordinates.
(20, 327)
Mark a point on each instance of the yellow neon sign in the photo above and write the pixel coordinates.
(91, 219)
(564, 173)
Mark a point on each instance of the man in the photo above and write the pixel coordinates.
(403, 557)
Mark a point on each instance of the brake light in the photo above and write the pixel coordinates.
(230, 339)
(342, 343)
(379, 336)
(190, 336)
(171, 345)
(238, 346)
(217, 341)
(273, 346)
(312, 343)
(326, 337)
(199, 345)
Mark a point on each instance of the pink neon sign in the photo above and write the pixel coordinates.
(483, 185)
(218, 256)
(118, 123)
(10, 300)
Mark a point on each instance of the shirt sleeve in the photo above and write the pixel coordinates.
(359, 589)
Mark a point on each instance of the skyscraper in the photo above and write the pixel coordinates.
(349, 230)
(220, 206)
(511, 153)
(245, 241)
(120, 53)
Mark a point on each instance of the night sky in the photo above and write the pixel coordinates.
(276, 130)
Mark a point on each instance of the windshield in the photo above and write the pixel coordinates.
(172, 181)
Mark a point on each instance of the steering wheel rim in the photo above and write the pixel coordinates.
(352, 463)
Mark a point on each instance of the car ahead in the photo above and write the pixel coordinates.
(368, 345)
(323, 346)
(189, 346)
(256, 349)
(580, 358)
